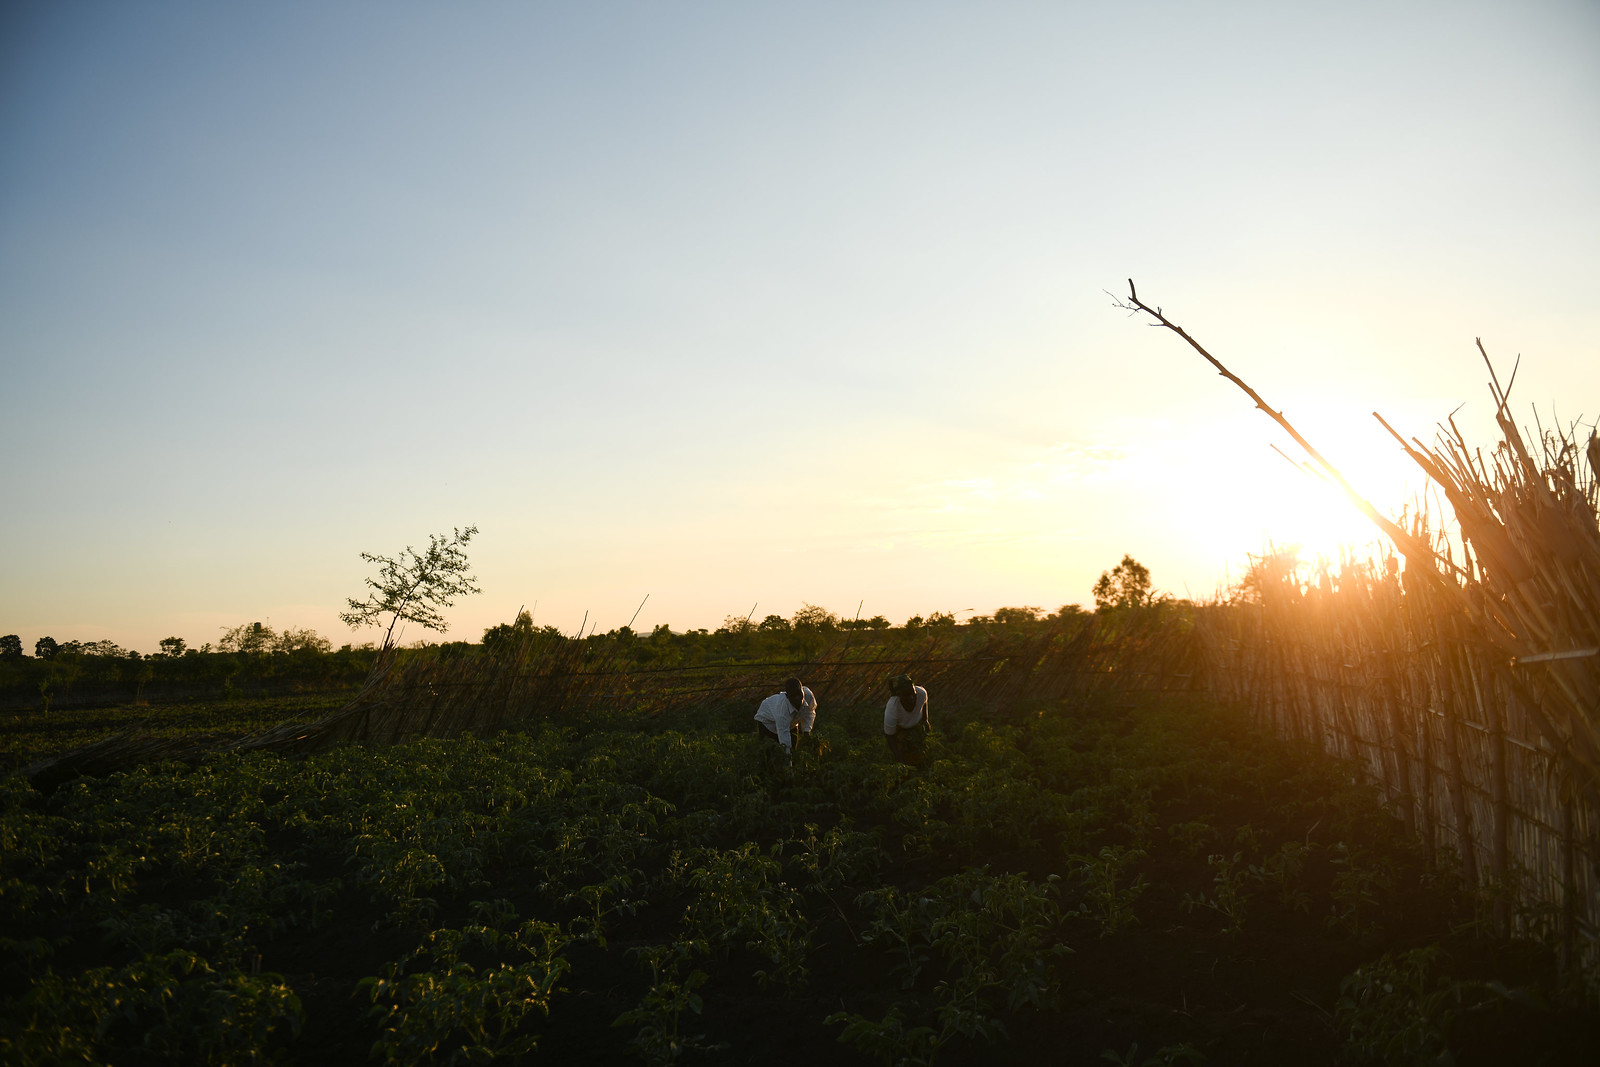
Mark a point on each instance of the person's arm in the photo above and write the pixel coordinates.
(927, 723)
(808, 711)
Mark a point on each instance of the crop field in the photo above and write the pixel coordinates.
(1143, 882)
(24, 735)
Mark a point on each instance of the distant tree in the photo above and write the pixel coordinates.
(1013, 616)
(307, 640)
(106, 649)
(811, 617)
(46, 648)
(173, 647)
(1266, 571)
(736, 624)
(941, 618)
(252, 637)
(774, 624)
(914, 623)
(414, 586)
(10, 647)
(1127, 585)
(1068, 611)
(507, 636)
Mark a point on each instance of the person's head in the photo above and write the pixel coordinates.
(901, 685)
(794, 691)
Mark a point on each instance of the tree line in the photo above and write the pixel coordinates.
(257, 659)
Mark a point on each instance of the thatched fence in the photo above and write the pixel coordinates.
(1456, 735)
(1469, 681)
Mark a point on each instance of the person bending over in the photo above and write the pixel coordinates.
(784, 716)
(905, 719)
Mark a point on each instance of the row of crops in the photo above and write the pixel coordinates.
(1072, 884)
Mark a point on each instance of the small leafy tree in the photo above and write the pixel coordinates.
(46, 648)
(1125, 586)
(414, 586)
(10, 647)
(173, 647)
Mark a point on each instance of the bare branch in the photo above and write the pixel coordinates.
(1412, 547)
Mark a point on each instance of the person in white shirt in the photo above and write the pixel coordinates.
(783, 716)
(905, 719)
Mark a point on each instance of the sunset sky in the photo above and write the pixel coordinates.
(754, 304)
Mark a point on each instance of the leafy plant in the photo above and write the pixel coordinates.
(176, 1006)
(1166, 1056)
(1105, 898)
(1227, 897)
(888, 1040)
(660, 1039)
(1359, 888)
(1399, 1009)
(435, 1000)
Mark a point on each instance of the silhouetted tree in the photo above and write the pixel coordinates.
(10, 647)
(811, 617)
(251, 637)
(1127, 585)
(46, 648)
(508, 635)
(414, 586)
(1012, 616)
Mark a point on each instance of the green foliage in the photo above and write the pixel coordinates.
(1166, 1056)
(660, 1039)
(1227, 897)
(187, 890)
(174, 1006)
(987, 938)
(434, 1000)
(739, 898)
(1401, 1010)
(1105, 898)
(888, 1040)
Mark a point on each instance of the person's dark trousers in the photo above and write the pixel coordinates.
(906, 745)
(766, 733)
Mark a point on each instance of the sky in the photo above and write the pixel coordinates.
(745, 306)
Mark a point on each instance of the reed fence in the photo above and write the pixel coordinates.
(1365, 666)
(1468, 681)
